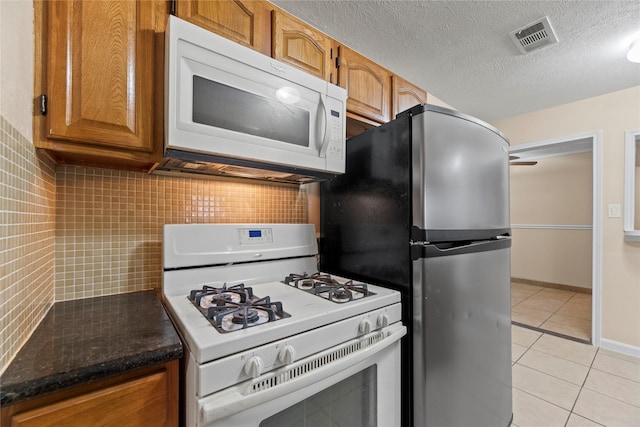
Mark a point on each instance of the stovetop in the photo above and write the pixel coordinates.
(235, 257)
(235, 307)
(302, 311)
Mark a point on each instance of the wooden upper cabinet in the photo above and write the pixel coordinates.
(245, 22)
(406, 95)
(99, 64)
(368, 86)
(296, 43)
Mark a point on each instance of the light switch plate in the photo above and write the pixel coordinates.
(614, 211)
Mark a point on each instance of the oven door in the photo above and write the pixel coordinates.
(354, 384)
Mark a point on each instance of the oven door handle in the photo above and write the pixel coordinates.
(235, 399)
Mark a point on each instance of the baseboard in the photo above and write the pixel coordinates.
(619, 347)
(559, 286)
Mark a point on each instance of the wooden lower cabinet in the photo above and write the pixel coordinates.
(148, 397)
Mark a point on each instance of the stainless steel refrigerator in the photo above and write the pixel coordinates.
(424, 208)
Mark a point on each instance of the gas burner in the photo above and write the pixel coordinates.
(246, 315)
(327, 287)
(340, 295)
(235, 307)
(232, 316)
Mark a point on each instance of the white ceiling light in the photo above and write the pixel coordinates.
(634, 51)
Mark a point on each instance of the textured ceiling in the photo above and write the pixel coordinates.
(461, 52)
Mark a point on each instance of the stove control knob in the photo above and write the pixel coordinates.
(287, 354)
(365, 326)
(254, 366)
(383, 320)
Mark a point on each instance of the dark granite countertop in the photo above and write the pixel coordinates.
(91, 339)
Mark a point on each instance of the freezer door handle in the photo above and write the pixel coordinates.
(431, 250)
(457, 235)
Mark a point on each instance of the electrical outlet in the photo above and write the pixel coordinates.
(614, 211)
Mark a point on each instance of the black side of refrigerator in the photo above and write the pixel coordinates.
(439, 179)
(365, 223)
(365, 214)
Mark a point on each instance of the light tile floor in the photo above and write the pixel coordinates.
(563, 312)
(559, 382)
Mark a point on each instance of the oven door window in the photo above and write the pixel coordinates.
(349, 403)
(226, 107)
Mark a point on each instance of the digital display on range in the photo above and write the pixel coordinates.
(255, 233)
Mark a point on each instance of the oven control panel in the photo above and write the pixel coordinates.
(246, 365)
(255, 236)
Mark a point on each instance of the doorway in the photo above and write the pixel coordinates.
(551, 232)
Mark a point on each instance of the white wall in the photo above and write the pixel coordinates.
(16, 64)
(613, 114)
(636, 209)
(555, 192)
(433, 100)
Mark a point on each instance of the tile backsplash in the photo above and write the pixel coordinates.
(27, 236)
(109, 223)
(71, 232)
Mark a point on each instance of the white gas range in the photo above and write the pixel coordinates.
(269, 340)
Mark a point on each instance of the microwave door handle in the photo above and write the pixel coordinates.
(322, 130)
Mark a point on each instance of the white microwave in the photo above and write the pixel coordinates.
(235, 112)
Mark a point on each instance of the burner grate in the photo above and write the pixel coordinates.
(236, 307)
(328, 287)
(210, 294)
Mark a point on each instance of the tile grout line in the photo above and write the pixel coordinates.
(570, 411)
(531, 296)
(617, 376)
(582, 388)
(608, 373)
(553, 313)
(556, 311)
(590, 367)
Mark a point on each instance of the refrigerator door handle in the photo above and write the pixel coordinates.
(431, 250)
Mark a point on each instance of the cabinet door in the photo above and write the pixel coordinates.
(245, 22)
(301, 45)
(367, 83)
(406, 95)
(148, 397)
(100, 73)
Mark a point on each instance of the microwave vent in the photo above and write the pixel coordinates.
(534, 36)
(196, 165)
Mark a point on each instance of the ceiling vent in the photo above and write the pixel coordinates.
(533, 36)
